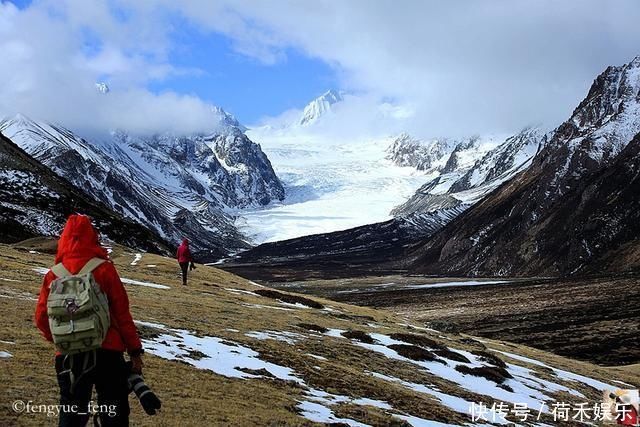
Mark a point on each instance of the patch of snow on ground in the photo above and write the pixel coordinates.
(421, 422)
(240, 291)
(456, 404)
(8, 280)
(296, 305)
(151, 265)
(256, 284)
(315, 356)
(147, 284)
(5, 355)
(136, 259)
(461, 283)
(228, 359)
(211, 353)
(16, 294)
(335, 333)
(320, 413)
(266, 306)
(149, 324)
(565, 375)
(288, 337)
(526, 388)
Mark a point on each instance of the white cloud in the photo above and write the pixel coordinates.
(450, 67)
(46, 72)
(466, 66)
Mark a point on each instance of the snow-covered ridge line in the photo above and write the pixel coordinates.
(176, 185)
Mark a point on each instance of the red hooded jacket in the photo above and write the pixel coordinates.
(77, 245)
(184, 254)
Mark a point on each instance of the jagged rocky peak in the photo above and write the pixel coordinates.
(227, 119)
(513, 155)
(597, 131)
(613, 91)
(471, 172)
(405, 150)
(151, 178)
(253, 171)
(320, 106)
(548, 220)
(604, 122)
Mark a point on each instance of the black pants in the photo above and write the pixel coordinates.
(110, 378)
(184, 266)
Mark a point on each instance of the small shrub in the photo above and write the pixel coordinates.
(492, 373)
(414, 353)
(358, 336)
(416, 339)
(452, 355)
(490, 358)
(291, 299)
(313, 327)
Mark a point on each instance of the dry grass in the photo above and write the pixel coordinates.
(220, 304)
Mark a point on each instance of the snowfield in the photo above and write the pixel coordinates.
(330, 185)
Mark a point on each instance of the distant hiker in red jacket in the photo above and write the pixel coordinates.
(103, 367)
(184, 259)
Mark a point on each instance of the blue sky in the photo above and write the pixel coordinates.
(244, 86)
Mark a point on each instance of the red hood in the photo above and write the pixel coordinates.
(79, 241)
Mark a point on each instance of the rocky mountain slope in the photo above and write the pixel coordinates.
(177, 186)
(262, 357)
(35, 201)
(469, 172)
(356, 251)
(574, 210)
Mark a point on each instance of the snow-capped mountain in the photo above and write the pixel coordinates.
(470, 172)
(227, 119)
(319, 107)
(177, 186)
(458, 173)
(35, 201)
(422, 155)
(556, 217)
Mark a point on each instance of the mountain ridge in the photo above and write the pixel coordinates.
(177, 186)
(517, 229)
(35, 201)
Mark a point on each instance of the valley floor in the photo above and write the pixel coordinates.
(227, 351)
(595, 319)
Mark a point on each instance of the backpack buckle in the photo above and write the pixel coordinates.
(70, 305)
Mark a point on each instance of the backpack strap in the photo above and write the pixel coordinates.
(60, 271)
(91, 265)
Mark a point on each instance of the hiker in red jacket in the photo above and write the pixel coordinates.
(77, 245)
(184, 259)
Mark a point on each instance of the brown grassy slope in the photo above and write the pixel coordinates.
(198, 397)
